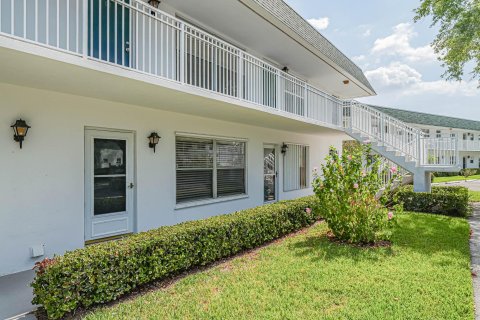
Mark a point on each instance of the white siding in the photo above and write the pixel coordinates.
(42, 189)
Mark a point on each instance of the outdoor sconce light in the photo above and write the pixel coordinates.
(153, 140)
(284, 148)
(20, 129)
(154, 3)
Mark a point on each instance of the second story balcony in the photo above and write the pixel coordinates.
(468, 145)
(132, 35)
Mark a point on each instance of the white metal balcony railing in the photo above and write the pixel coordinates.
(469, 145)
(132, 34)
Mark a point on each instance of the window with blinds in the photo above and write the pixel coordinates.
(209, 168)
(295, 167)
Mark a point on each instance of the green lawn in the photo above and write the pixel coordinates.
(474, 195)
(424, 275)
(455, 178)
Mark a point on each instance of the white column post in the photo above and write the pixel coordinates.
(181, 61)
(240, 75)
(85, 33)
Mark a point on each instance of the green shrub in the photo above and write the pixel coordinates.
(468, 172)
(103, 272)
(446, 174)
(451, 201)
(353, 195)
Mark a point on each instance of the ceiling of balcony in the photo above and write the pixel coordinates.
(261, 35)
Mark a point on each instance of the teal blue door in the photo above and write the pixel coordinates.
(109, 31)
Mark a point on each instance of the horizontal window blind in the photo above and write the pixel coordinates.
(295, 167)
(209, 168)
(194, 160)
(230, 168)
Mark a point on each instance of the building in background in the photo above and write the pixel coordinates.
(465, 132)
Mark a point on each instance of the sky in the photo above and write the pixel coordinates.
(394, 52)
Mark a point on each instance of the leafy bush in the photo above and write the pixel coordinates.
(468, 173)
(103, 272)
(451, 201)
(446, 174)
(353, 195)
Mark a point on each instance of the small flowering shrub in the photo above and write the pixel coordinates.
(354, 197)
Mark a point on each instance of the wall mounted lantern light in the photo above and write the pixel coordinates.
(20, 129)
(154, 3)
(153, 140)
(284, 148)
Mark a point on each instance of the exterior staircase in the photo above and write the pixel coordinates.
(404, 145)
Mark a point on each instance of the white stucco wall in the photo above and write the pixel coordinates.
(42, 185)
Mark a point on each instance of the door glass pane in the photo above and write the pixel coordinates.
(269, 161)
(269, 174)
(109, 157)
(109, 195)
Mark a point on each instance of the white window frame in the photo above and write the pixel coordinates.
(215, 198)
(307, 169)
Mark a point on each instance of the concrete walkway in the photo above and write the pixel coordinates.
(474, 221)
(473, 185)
(16, 296)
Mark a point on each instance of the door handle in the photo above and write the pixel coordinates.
(131, 185)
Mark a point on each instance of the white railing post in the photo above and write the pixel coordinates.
(85, 33)
(305, 100)
(420, 154)
(240, 75)
(279, 95)
(382, 128)
(182, 53)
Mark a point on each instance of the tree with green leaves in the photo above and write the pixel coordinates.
(458, 40)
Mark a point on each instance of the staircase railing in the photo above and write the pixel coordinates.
(398, 136)
(383, 129)
(439, 151)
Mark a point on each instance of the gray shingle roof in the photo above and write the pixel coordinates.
(289, 17)
(430, 119)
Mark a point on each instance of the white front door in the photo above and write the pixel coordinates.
(109, 183)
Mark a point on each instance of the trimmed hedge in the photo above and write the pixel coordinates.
(450, 201)
(103, 272)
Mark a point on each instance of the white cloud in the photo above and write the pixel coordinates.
(359, 58)
(394, 75)
(441, 87)
(398, 44)
(320, 23)
(407, 81)
(365, 30)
